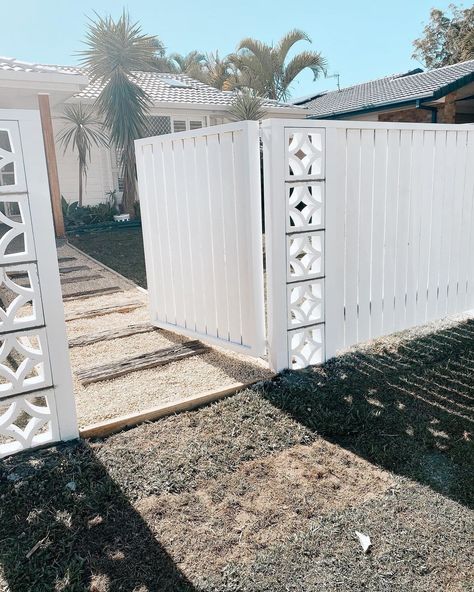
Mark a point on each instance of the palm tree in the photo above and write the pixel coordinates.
(82, 130)
(265, 69)
(191, 64)
(116, 50)
(247, 106)
(220, 72)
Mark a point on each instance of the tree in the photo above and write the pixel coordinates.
(447, 39)
(247, 106)
(265, 68)
(82, 130)
(191, 64)
(116, 50)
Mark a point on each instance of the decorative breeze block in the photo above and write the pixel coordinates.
(16, 238)
(305, 303)
(306, 346)
(20, 301)
(305, 153)
(24, 362)
(305, 256)
(305, 206)
(26, 422)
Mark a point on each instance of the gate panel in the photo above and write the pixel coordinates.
(36, 397)
(200, 195)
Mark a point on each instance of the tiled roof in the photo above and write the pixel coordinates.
(390, 90)
(13, 65)
(178, 88)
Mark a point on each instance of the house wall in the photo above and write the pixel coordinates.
(102, 174)
(406, 116)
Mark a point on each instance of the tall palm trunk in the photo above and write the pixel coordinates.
(81, 174)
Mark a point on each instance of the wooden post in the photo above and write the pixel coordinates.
(51, 163)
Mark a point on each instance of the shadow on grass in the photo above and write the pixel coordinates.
(407, 409)
(66, 525)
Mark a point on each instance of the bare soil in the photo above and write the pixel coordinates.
(264, 491)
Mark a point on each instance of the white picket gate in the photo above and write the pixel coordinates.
(36, 395)
(370, 230)
(201, 216)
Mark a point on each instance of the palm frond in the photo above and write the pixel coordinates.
(286, 43)
(306, 59)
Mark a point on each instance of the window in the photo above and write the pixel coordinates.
(179, 125)
(185, 124)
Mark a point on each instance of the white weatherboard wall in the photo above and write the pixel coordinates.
(201, 215)
(370, 230)
(36, 395)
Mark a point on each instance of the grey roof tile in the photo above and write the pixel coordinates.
(391, 89)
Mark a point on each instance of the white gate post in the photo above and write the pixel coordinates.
(48, 273)
(36, 398)
(273, 137)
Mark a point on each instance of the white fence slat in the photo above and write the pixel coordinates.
(467, 246)
(232, 259)
(166, 290)
(173, 234)
(352, 236)
(366, 195)
(403, 226)
(336, 166)
(437, 219)
(195, 248)
(413, 247)
(447, 224)
(458, 199)
(184, 229)
(219, 225)
(425, 224)
(206, 230)
(390, 234)
(378, 231)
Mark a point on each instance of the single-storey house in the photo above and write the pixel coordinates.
(442, 95)
(179, 103)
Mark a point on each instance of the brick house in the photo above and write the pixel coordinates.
(443, 95)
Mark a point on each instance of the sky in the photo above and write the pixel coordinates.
(361, 40)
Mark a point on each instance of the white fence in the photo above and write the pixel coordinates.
(370, 230)
(36, 397)
(200, 199)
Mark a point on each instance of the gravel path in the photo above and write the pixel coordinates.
(144, 389)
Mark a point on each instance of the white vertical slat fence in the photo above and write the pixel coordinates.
(396, 241)
(200, 195)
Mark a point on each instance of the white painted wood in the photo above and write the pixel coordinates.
(56, 382)
(399, 228)
(274, 163)
(203, 240)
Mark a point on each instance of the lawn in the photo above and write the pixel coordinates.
(263, 492)
(122, 250)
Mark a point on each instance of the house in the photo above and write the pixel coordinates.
(443, 95)
(179, 103)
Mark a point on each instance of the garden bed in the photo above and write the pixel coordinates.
(264, 491)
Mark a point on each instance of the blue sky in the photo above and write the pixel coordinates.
(361, 40)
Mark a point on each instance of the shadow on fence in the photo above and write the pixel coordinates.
(66, 525)
(407, 408)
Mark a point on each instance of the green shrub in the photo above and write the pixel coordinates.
(75, 215)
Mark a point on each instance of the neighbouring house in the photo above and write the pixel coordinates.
(179, 103)
(443, 95)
